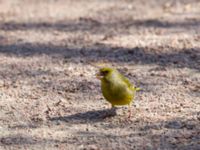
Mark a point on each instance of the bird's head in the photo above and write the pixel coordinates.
(104, 72)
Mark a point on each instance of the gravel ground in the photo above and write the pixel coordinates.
(50, 99)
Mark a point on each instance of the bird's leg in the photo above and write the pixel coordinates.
(129, 111)
(113, 110)
(112, 106)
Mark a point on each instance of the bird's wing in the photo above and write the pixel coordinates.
(127, 82)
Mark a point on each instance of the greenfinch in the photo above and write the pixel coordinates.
(116, 88)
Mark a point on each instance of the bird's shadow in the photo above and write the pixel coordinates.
(89, 116)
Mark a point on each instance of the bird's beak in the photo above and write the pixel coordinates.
(98, 76)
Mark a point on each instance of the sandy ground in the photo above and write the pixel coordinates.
(50, 99)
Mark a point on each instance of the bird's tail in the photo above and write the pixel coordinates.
(136, 88)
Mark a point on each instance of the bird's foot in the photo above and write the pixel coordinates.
(129, 113)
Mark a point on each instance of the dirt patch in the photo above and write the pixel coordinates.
(50, 99)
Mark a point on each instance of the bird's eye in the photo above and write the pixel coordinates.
(105, 72)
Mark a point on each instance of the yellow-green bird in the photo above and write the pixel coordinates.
(116, 88)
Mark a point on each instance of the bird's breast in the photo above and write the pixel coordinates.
(116, 93)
